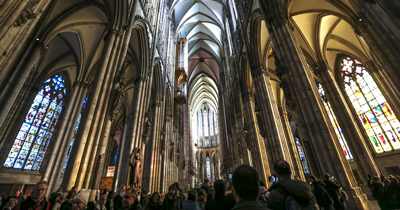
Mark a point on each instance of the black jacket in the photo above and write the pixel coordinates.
(333, 190)
(118, 205)
(168, 202)
(136, 206)
(219, 203)
(248, 205)
(300, 190)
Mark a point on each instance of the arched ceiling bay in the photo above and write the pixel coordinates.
(201, 23)
(323, 29)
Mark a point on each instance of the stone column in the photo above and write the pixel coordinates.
(255, 142)
(302, 96)
(212, 171)
(381, 32)
(271, 125)
(64, 137)
(118, 180)
(297, 167)
(84, 145)
(352, 133)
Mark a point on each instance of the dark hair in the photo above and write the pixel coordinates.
(172, 187)
(192, 195)
(71, 194)
(132, 191)
(219, 187)
(206, 180)
(262, 183)
(313, 177)
(282, 167)
(42, 182)
(246, 182)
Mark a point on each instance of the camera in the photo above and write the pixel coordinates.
(273, 179)
(230, 177)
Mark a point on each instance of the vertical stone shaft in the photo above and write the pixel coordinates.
(92, 107)
(355, 140)
(299, 87)
(257, 143)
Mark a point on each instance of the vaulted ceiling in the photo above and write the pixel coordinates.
(201, 22)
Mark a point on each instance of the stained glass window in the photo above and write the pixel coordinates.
(302, 156)
(73, 138)
(205, 123)
(208, 168)
(34, 136)
(212, 143)
(338, 130)
(378, 119)
(207, 142)
(211, 123)
(115, 157)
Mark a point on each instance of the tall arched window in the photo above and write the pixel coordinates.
(302, 156)
(378, 119)
(205, 123)
(201, 123)
(335, 124)
(73, 138)
(208, 168)
(211, 123)
(30, 145)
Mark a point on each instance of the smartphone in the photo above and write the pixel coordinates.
(333, 177)
(273, 179)
(230, 177)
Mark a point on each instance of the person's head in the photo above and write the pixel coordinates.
(103, 200)
(12, 202)
(62, 198)
(81, 200)
(39, 191)
(246, 183)
(156, 197)
(71, 195)
(192, 195)
(219, 187)
(206, 181)
(129, 197)
(121, 190)
(172, 189)
(17, 193)
(328, 177)
(74, 189)
(282, 168)
(296, 177)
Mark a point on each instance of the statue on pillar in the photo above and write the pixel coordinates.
(148, 126)
(136, 169)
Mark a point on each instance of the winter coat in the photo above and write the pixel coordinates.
(168, 202)
(249, 205)
(300, 190)
(380, 194)
(178, 203)
(219, 203)
(394, 193)
(118, 202)
(150, 205)
(28, 204)
(190, 205)
(333, 190)
(321, 194)
(136, 206)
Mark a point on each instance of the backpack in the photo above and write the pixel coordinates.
(292, 204)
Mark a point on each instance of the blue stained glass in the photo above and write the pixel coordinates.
(32, 140)
(73, 137)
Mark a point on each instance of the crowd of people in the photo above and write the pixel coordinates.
(248, 192)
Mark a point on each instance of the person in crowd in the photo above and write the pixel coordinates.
(246, 188)
(206, 186)
(144, 196)
(187, 187)
(263, 199)
(11, 203)
(179, 199)
(280, 191)
(16, 195)
(3, 199)
(59, 201)
(110, 201)
(154, 202)
(202, 198)
(101, 205)
(80, 201)
(379, 193)
(130, 200)
(394, 192)
(36, 200)
(98, 195)
(54, 196)
(322, 196)
(168, 203)
(118, 200)
(74, 189)
(230, 199)
(296, 177)
(332, 186)
(67, 205)
(219, 202)
(190, 203)
(343, 196)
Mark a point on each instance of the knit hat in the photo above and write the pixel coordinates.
(83, 196)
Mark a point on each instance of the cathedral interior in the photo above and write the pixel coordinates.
(107, 93)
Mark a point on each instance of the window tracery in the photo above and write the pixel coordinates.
(32, 141)
(302, 156)
(377, 117)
